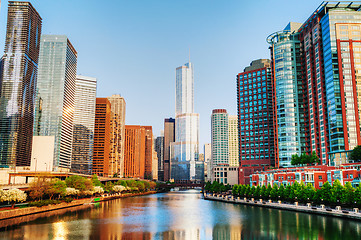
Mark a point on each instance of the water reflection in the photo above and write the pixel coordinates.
(182, 215)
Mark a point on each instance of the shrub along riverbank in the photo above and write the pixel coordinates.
(346, 196)
(44, 191)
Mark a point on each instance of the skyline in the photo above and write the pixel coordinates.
(158, 40)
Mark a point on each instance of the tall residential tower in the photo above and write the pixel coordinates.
(18, 84)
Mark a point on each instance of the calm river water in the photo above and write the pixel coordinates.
(183, 215)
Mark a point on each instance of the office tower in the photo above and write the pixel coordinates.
(220, 153)
(117, 125)
(102, 134)
(154, 163)
(84, 120)
(134, 151)
(169, 137)
(256, 119)
(18, 84)
(233, 147)
(185, 149)
(159, 148)
(55, 96)
(148, 152)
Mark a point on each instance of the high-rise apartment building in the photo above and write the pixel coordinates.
(316, 68)
(134, 151)
(55, 96)
(159, 148)
(233, 147)
(220, 153)
(148, 152)
(256, 119)
(169, 137)
(102, 134)
(84, 120)
(185, 150)
(289, 93)
(117, 125)
(18, 84)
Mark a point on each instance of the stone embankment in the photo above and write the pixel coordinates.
(20, 215)
(308, 208)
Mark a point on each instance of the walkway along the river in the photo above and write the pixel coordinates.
(321, 210)
(20, 215)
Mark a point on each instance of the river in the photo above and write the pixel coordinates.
(182, 215)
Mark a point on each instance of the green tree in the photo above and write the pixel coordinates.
(357, 196)
(337, 191)
(325, 193)
(274, 191)
(268, 191)
(96, 181)
(295, 159)
(140, 186)
(349, 194)
(257, 192)
(78, 182)
(235, 190)
(288, 192)
(242, 190)
(208, 186)
(263, 192)
(355, 155)
(281, 191)
(109, 186)
(38, 188)
(56, 188)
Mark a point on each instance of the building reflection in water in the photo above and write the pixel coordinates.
(182, 215)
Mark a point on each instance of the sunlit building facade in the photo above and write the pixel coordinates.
(169, 137)
(185, 149)
(55, 96)
(18, 84)
(289, 93)
(220, 153)
(84, 120)
(134, 151)
(102, 135)
(255, 96)
(233, 142)
(117, 125)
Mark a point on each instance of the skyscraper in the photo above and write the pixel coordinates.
(256, 119)
(159, 148)
(207, 161)
(134, 152)
(185, 150)
(148, 152)
(56, 92)
(289, 93)
(169, 137)
(117, 135)
(84, 120)
(233, 147)
(102, 134)
(18, 84)
(220, 153)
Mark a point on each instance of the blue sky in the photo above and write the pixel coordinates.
(133, 47)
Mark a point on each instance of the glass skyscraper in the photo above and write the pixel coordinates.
(185, 150)
(18, 84)
(55, 97)
(84, 120)
(289, 87)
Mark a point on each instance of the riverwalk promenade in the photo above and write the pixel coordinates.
(308, 208)
(20, 215)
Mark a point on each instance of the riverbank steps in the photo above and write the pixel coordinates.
(308, 208)
(20, 215)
